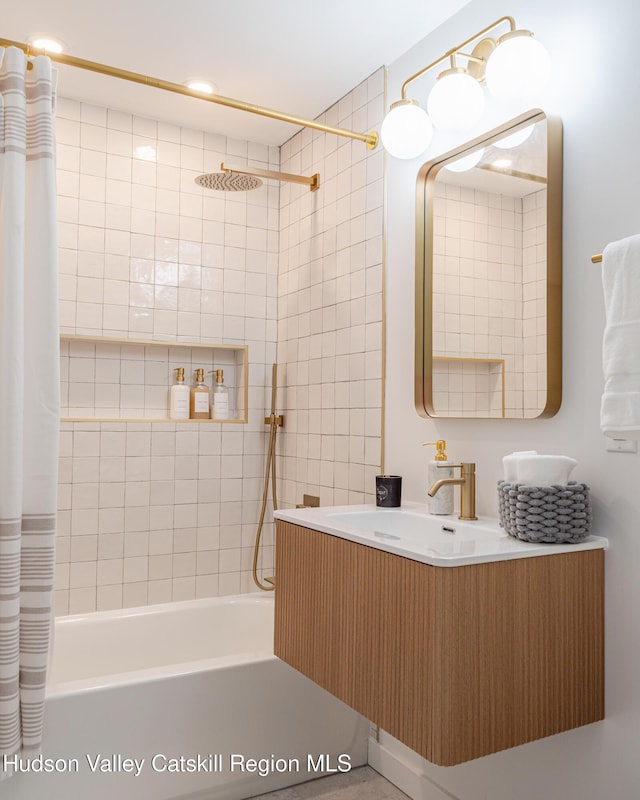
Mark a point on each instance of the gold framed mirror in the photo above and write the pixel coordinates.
(489, 275)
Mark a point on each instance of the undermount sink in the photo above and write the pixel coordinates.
(412, 532)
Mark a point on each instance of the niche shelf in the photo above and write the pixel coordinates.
(105, 379)
(462, 384)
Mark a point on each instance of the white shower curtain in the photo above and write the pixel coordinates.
(29, 396)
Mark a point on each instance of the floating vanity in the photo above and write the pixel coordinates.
(453, 637)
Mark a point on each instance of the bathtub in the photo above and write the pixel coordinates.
(182, 700)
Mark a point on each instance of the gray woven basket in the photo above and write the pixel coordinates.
(554, 514)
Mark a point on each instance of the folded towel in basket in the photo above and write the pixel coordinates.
(544, 470)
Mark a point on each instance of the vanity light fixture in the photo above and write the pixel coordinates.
(406, 130)
(456, 102)
(520, 66)
(513, 65)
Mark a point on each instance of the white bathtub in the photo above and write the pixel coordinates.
(166, 684)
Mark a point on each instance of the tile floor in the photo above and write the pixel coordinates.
(363, 783)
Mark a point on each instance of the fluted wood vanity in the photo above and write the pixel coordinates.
(455, 662)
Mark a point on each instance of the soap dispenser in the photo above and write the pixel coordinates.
(179, 397)
(442, 503)
(220, 397)
(199, 408)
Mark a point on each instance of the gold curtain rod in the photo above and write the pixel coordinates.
(370, 139)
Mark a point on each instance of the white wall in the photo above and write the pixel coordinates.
(596, 83)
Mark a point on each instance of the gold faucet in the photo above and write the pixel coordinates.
(467, 484)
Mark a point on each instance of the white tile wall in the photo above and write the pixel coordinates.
(330, 308)
(144, 251)
(151, 512)
(489, 297)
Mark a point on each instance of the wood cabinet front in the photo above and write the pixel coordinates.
(455, 662)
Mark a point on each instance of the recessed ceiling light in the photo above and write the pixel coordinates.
(199, 85)
(46, 43)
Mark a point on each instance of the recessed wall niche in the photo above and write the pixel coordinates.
(107, 379)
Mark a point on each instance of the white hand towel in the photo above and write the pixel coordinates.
(541, 470)
(620, 407)
(510, 464)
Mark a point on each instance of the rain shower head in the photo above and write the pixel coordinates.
(234, 179)
(228, 182)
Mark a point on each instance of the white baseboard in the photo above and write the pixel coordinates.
(408, 777)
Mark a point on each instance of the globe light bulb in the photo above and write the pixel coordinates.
(466, 162)
(406, 131)
(514, 139)
(519, 66)
(456, 102)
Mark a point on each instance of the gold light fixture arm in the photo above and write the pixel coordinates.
(313, 181)
(370, 139)
(457, 51)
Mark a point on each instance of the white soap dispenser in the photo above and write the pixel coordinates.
(442, 503)
(219, 397)
(179, 397)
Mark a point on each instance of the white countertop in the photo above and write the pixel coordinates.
(439, 540)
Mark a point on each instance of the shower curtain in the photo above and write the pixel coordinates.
(29, 396)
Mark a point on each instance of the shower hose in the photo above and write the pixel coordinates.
(270, 472)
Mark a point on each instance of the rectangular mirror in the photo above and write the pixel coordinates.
(489, 275)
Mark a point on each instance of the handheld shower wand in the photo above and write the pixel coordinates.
(274, 422)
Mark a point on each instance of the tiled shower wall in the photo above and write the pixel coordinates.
(151, 512)
(489, 301)
(330, 312)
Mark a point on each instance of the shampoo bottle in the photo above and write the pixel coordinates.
(179, 397)
(199, 398)
(442, 503)
(220, 397)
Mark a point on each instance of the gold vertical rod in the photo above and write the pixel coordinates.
(383, 382)
(454, 50)
(370, 139)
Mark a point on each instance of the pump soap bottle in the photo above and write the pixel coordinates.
(199, 398)
(179, 397)
(220, 397)
(442, 503)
